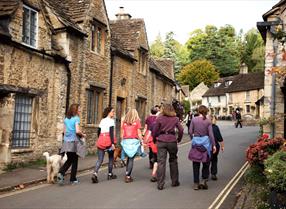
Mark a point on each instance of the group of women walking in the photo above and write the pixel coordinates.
(161, 134)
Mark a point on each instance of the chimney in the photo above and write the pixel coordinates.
(243, 69)
(122, 15)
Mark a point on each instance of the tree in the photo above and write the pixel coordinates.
(220, 46)
(172, 49)
(157, 48)
(197, 72)
(253, 51)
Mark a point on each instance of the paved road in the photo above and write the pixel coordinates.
(143, 194)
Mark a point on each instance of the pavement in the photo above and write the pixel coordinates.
(21, 178)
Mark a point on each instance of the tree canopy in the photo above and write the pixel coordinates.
(197, 72)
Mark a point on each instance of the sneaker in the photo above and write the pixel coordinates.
(74, 182)
(153, 179)
(94, 178)
(214, 177)
(128, 179)
(60, 179)
(111, 176)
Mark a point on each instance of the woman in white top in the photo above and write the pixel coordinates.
(105, 143)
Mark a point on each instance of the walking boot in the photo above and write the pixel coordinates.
(94, 178)
(204, 185)
(214, 177)
(128, 179)
(153, 179)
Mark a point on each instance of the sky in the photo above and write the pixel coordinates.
(184, 16)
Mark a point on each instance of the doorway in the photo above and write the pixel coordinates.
(119, 112)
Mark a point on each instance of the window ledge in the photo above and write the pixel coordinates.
(23, 150)
(91, 126)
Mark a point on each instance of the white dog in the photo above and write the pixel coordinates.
(54, 162)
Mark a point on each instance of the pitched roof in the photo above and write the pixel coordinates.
(221, 89)
(128, 31)
(76, 9)
(167, 66)
(155, 65)
(116, 47)
(240, 82)
(246, 82)
(274, 8)
(8, 7)
(61, 10)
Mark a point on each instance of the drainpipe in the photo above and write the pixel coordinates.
(68, 84)
(273, 87)
(110, 78)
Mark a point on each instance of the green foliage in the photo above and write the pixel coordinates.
(187, 106)
(172, 49)
(275, 167)
(253, 51)
(254, 175)
(197, 72)
(157, 48)
(220, 46)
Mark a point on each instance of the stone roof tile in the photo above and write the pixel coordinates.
(8, 7)
(128, 31)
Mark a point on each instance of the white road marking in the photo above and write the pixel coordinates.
(224, 193)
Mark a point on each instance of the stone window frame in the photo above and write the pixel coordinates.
(141, 104)
(247, 96)
(36, 22)
(23, 117)
(94, 106)
(142, 61)
(98, 37)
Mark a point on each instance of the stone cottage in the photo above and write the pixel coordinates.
(52, 53)
(273, 33)
(196, 96)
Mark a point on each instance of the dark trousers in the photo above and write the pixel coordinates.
(151, 154)
(214, 161)
(100, 153)
(129, 165)
(205, 171)
(163, 149)
(71, 161)
(238, 122)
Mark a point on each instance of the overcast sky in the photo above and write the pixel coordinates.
(183, 16)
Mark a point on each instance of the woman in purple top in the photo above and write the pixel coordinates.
(164, 134)
(203, 143)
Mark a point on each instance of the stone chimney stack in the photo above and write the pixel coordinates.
(243, 69)
(122, 15)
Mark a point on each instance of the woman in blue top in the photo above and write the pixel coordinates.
(71, 132)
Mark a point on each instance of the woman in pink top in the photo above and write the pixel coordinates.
(131, 139)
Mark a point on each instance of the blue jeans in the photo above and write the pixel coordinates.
(98, 163)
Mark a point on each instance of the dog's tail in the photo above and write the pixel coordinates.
(47, 155)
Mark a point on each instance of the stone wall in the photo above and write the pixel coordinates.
(48, 79)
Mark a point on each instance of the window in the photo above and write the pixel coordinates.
(142, 61)
(22, 121)
(94, 105)
(217, 85)
(230, 98)
(30, 23)
(218, 98)
(141, 108)
(247, 96)
(97, 39)
(227, 83)
(248, 108)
